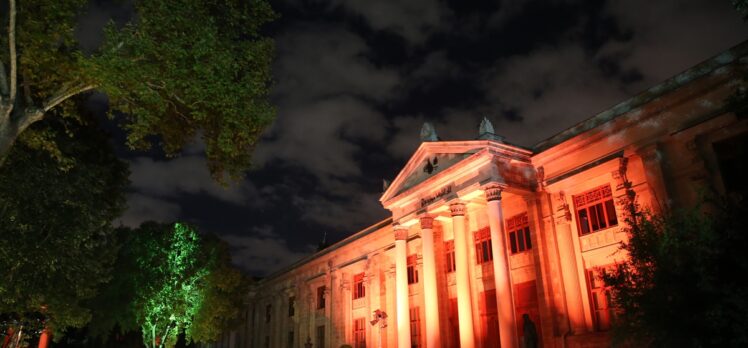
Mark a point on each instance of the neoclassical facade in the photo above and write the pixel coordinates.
(495, 245)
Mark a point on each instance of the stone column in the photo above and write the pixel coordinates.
(504, 298)
(574, 304)
(430, 298)
(401, 285)
(464, 301)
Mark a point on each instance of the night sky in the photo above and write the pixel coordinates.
(355, 80)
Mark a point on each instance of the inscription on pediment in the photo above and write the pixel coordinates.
(431, 166)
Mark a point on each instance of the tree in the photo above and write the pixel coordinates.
(684, 284)
(56, 238)
(178, 69)
(170, 280)
(742, 7)
(167, 299)
(224, 296)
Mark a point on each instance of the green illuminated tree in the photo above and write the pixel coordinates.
(178, 69)
(169, 280)
(56, 238)
(168, 292)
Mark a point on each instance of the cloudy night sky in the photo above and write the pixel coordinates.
(355, 80)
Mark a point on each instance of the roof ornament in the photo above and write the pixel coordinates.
(428, 133)
(385, 185)
(486, 131)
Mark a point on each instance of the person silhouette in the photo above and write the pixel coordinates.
(530, 332)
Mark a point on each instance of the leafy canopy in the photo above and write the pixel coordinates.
(178, 69)
(56, 238)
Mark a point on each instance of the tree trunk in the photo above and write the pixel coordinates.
(8, 136)
(8, 337)
(16, 341)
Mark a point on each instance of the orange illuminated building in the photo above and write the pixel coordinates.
(486, 235)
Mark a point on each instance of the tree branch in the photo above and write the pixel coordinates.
(3, 81)
(12, 49)
(61, 97)
(33, 114)
(6, 105)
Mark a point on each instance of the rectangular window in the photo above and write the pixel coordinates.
(268, 312)
(412, 270)
(359, 290)
(290, 339)
(731, 154)
(595, 210)
(321, 297)
(415, 328)
(483, 248)
(291, 306)
(320, 336)
(359, 333)
(449, 249)
(519, 233)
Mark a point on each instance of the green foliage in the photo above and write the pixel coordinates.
(167, 300)
(180, 68)
(56, 240)
(46, 46)
(683, 285)
(742, 7)
(170, 280)
(174, 77)
(224, 296)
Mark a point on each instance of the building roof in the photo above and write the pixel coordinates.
(700, 70)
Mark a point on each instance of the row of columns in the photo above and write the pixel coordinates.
(504, 295)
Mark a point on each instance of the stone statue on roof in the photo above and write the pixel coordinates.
(485, 126)
(428, 133)
(486, 131)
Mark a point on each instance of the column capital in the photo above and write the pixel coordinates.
(563, 212)
(493, 192)
(457, 209)
(427, 222)
(401, 232)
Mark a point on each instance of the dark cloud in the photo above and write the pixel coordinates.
(143, 208)
(317, 61)
(185, 175)
(355, 80)
(321, 136)
(549, 99)
(414, 20)
(262, 251)
(669, 37)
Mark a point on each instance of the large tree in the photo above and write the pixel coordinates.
(56, 237)
(684, 283)
(169, 280)
(179, 68)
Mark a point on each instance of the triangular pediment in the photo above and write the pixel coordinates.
(430, 166)
(429, 160)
